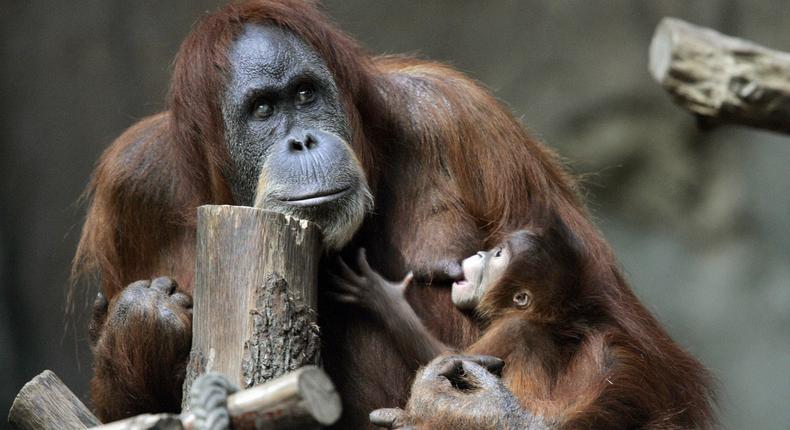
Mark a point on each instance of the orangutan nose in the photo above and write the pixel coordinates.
(302, 143)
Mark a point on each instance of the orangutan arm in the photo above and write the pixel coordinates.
(386, 301)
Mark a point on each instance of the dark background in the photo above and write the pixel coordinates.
(700, 221)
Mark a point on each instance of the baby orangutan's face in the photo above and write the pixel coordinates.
(481, 271)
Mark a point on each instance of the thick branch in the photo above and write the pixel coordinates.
(46, 403)
(722, 79)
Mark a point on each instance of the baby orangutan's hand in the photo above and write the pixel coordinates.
(369, 289)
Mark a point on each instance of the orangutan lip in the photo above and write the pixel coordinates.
(314, 199)
(461, 283)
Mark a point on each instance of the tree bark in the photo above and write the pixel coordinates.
(722, 79)
(255, 295)
(46, 403)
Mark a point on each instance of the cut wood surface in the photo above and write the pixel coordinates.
(722, 79)
(46, 403)
(254, 296)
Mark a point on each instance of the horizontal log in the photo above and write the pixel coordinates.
(722, 79)
(304, 399)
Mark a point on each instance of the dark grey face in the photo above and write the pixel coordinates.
(288, 135)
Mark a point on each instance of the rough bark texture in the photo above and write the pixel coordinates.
(255, 291)
(46, 403)
(722, 79)
(284, 334)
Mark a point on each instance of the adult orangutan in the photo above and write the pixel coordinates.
(272, 89)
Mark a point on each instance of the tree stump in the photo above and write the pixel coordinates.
(722, 79)
(254, 296)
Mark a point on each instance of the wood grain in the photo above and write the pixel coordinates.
(46, 403)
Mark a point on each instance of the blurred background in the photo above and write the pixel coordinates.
(700, 220)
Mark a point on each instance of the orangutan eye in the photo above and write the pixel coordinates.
(521, 299)
(262, 109)
(305, 94)
(498, 253)
(480, 254)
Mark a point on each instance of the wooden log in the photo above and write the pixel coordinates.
(302, 399)
(254, 296)
(147, 422)
(722, 79)
(47, 403)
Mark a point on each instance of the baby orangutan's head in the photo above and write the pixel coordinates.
(534, 273)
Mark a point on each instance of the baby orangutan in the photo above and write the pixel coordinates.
(574, 358)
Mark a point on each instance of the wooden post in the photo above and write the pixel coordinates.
(254, 296)
(46, 403)
(722, 79)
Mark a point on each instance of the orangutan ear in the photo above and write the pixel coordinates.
(522, 299)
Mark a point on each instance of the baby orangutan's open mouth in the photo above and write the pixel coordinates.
(463, 288)
(463, 283)
(463, 294)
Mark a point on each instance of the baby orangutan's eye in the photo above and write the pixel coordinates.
(521, 299)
